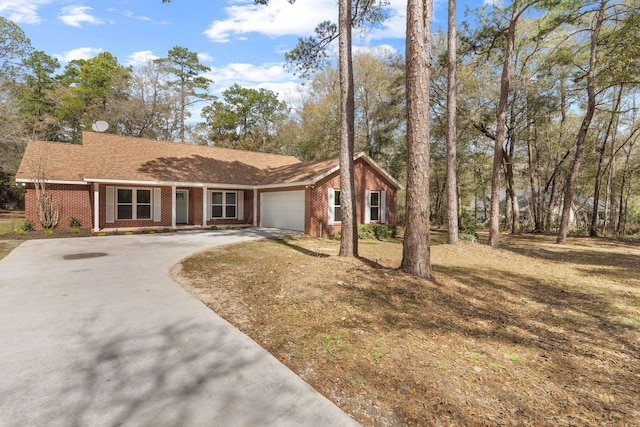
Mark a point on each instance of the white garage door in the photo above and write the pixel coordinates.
(283, 209)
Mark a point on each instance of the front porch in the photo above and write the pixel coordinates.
(170, 207)
(178, 228)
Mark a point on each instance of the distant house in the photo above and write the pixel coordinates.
(111, 182)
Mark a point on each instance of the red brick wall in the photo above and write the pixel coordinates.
(365, 178)
(195, 206)
(74, 201)
(77, 201)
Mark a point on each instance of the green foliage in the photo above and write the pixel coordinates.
(14, 46)
(28, 226)
(75, 223)
(246, 118)
(37, 95)
(166, 229)
(512, 357)
(366, 232)
(376, 231)
(90, 90)
(48, 232)
(185, 66)
(11, 195)
(468, 235)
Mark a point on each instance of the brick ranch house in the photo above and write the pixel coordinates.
(115, 182)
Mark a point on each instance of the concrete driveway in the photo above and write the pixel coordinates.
(93, 331)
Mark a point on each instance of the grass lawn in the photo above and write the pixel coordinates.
(10, 221)
(530, 334)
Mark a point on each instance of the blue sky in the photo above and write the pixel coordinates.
(241, 42)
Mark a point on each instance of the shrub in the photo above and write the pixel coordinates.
(28, 226)
(152, 231)
(376, 231)
(128, 233)
(469, 235)
(166, 230)
(48, 231)
(366, 232)
(214, 227)
(238, 228)
(385, 231)
(75, 223)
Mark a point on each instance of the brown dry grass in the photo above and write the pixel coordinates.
(530, 334)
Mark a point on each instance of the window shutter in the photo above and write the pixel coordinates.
(110, 214)
(157, 205)
(330, 212)
(367, 206)
(383, 207)
(240, 202)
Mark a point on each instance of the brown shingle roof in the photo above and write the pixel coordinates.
(56, 159)
(110, 157)
(300, 172)
(105, 156)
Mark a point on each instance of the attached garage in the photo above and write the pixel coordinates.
(282, 209)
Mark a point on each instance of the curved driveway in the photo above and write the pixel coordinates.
(93, 331)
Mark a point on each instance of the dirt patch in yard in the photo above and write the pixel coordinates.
(6, 246)
(530, 334)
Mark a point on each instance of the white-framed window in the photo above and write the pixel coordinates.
(224, 204)
(337, 206)
(133, 203)
(374, 206)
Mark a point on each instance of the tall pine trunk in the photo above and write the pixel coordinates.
(452, 173)
(349, 228)
(595, 211)
(416, 256)
(494, 220)
(584, 128)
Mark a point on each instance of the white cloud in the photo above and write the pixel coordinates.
(131, 15)
(270, 76)
(395, 24)
(80, 53)
(22, 11)
(379, 51)
(495, 3)
(205, 57)
(75, 16)
(279, 18)
(140, 58)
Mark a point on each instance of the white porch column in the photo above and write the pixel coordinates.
(173, 206)
(204, 207)
(255, 207)
(96, 207)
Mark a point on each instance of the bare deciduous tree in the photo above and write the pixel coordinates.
(47, 210)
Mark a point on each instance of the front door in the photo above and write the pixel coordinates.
(182, 206)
